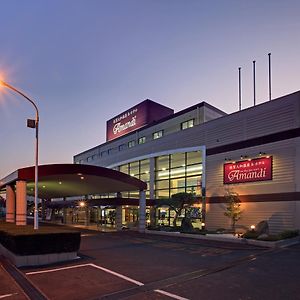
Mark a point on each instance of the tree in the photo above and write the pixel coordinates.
(178, 202)
(233, 209)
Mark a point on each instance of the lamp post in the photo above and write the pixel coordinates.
(32, 124)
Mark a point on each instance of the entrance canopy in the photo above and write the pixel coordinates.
(67, 180)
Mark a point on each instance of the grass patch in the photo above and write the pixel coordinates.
(24, 240)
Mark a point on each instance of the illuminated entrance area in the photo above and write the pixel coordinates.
(168, 173)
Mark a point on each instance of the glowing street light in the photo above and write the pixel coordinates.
(31, 124)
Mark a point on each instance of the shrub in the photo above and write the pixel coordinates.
(23, 240)
(250, 234)
(287, 234)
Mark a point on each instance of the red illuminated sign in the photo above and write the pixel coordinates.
(136, 117)
(257, 169)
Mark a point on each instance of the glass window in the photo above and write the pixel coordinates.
(194, 170)
(162, 174)
(187, 124)
(177, 172)
(162, 194)
(194, 190)
(131, 144)
(145, 177)
(95, 156)
(104, 153)
(124, 194)
(134, 169)
(112, 150)
(122, 147)
(142, 140)
(162, 184)
(175, 191)
(194, 157)
(134, 194)
(89, 158)
(162, 163)
(195, 180)
(177, 160)
(144, 166)
(177, 183)
(157, 134)
(124, 168)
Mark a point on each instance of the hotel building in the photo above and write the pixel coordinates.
(254, 152)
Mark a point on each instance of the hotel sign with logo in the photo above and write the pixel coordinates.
(252, 170)
(136, 117)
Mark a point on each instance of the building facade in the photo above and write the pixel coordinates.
(254, 153)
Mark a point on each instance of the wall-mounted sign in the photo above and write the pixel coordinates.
(136, 117)
(257, 169)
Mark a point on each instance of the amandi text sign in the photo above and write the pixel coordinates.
(257, 169)
(136, 117)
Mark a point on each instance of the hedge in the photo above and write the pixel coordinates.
(24, 240)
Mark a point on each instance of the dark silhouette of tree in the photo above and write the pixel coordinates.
(178, 202)
(233, 209)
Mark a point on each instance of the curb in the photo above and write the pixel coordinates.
(218, 238)
(28, 288)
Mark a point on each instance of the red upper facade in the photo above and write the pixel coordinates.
(136, 117)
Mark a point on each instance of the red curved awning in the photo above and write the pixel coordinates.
(66, 180)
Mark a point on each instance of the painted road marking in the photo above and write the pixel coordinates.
(118, 275)
(170, 295)
(7, 295)
(58, 269)
(110, 272)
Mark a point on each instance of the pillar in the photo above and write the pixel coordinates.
(152, 177)
(10, 204)
(153, 216)
(43, 209)
(203, 185)
(142, 211)
(87, 215)
(119, 211)
(21, 203)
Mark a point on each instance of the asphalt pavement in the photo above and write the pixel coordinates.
(129, 265)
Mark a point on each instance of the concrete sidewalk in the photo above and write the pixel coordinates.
(14, 284)
(9, 289)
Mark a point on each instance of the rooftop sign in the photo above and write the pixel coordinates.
(136, 117)
(252, 170)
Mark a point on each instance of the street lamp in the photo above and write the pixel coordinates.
(31, 124)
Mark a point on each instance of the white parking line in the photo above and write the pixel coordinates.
(110, 272)
(170, 295)
(7, 295)
(58, 269)
(118, 275)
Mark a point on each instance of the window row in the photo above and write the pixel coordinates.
(142, 140)
(167, 193)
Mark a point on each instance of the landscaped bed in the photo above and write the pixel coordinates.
(24, 245)
(287, 234)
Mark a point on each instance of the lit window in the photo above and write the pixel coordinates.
(131, 144)
(187, 124)
(142, 140)
(158, 134)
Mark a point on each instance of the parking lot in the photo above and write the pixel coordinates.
(129, 265)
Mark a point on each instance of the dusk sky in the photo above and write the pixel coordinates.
(85, 61)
